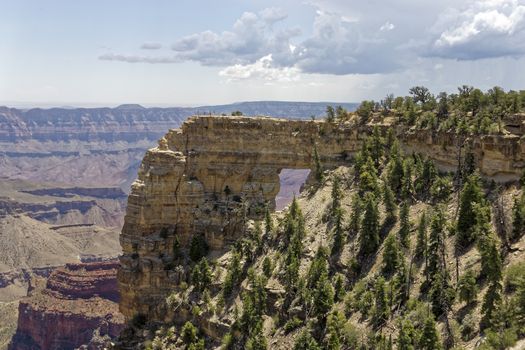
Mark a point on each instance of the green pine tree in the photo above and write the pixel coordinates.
(381, 308)
(518, 218)
(390, 204)
(390, 255)
(421, 244)
(406, 337)
(404, 228)
(429, 339)
(268, 221)
(369, 238)
(318, 168)
(467, 287)
(491, 302)
(470, 195)
(305, 341)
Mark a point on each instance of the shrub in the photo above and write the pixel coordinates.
(514, 275)
(292, 324)
(468, 327)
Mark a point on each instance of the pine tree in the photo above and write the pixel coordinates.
(334, 328)
(491, 302)
(376, 146)
(427, 177)
(201, 275)
(330, 114)
(381, 309)
(369, 238)
(518, 218)
(256, 341)
(441, 293)
(338, 232)
(469, 164)
(434, 246)
(268, 221)
(305, 341)
(404, 228)
(233, 275)
(491, 264)
(339, 287)
(429, 339)
(390, 255)
(407, 186)
(397, 172)
(390, 204)
(520, 301)
(267, 267)
(323, 297)
(470, 195)
(421, 245)
(467, 287)
(318, 267)
(407, 333)
(318, 168)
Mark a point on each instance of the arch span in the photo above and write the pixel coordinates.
(206, 178)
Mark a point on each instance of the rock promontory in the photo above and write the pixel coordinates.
(209, 177)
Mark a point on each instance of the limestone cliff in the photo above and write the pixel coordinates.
(211, 175)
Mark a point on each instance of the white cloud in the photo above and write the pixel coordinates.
(262, 69)
(352, 38)
(337, 46)
(387, 27)
(251, 38)
(483, 29)
(273, 14)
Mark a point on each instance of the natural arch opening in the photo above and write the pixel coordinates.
(291, 181)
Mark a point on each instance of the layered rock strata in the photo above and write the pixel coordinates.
(213, 173)
(77, 302)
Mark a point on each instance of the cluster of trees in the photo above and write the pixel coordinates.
(468, 110)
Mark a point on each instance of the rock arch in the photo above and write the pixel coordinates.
(213, 172)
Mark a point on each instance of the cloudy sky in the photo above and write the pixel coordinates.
(182, 52)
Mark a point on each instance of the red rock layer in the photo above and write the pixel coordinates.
(77, 300)
(83, 281)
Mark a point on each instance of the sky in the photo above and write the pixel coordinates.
(187, 53)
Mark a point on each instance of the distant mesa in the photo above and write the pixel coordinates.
(130, 106)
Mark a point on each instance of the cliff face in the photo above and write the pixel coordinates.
(211, 175)
(78, 301)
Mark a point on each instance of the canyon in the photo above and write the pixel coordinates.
(64, 178)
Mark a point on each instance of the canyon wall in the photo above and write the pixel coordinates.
(76, 304)
(213, 173)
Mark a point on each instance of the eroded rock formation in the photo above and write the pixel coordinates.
(78, 302)
(213, 173)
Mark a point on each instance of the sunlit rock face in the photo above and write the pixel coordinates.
(211, 175)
